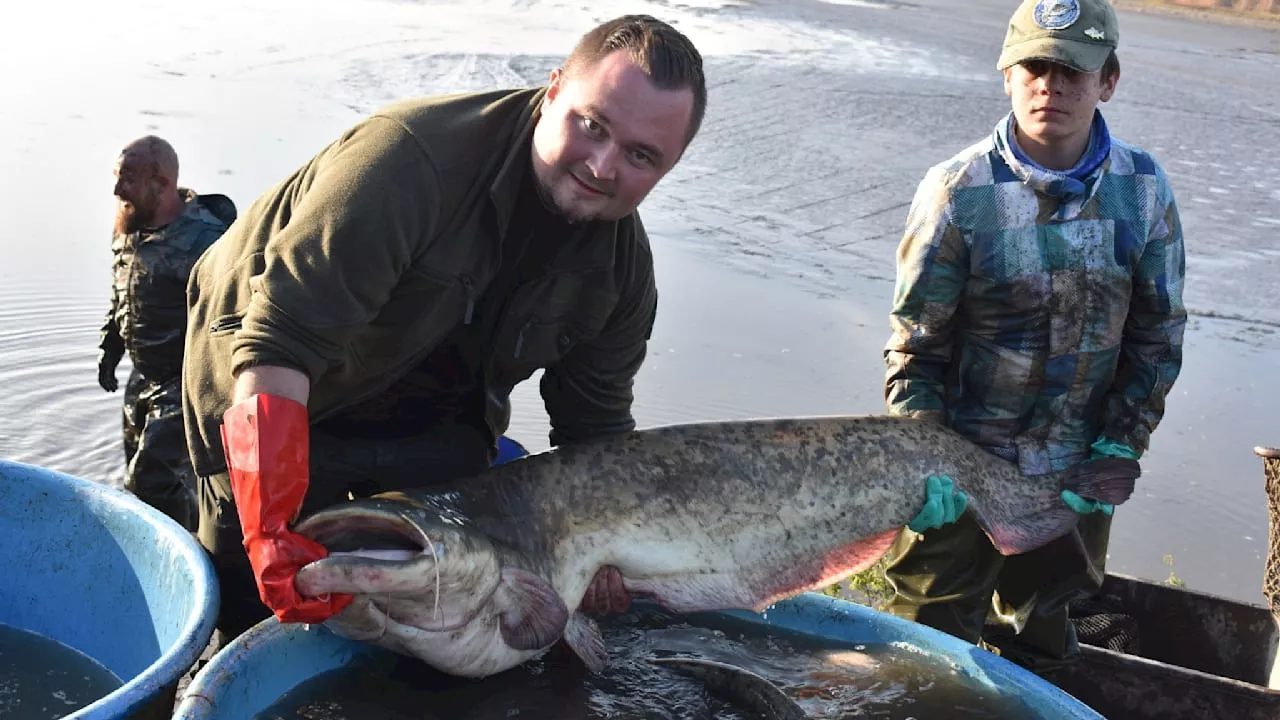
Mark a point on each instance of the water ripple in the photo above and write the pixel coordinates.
(53, 413)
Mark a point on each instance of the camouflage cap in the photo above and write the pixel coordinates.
(1077, 33)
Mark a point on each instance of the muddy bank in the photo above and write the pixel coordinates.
(1249, 7)
(1267, 11)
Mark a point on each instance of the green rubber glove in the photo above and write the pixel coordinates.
(1102, 447)
(1085, 506)
(1106, 447)
(943, 504)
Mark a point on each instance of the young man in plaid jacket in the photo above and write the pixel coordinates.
(1038, 311)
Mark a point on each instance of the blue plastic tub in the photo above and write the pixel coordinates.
(98, 570)
(255, 670)
(508, 450)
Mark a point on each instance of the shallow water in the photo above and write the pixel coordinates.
(42, 679)
(774, 238)
(828, 680)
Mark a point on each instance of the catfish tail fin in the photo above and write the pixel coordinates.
(1109, 480)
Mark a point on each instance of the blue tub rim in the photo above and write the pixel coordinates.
(142, 689)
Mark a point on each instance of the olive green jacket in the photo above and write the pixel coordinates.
(355, 267)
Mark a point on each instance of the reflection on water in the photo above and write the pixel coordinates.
(827, 680)
(41, 679)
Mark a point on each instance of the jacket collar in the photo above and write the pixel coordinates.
(506, 184)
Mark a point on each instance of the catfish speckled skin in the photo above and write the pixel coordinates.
(704, 516)
(740, 686)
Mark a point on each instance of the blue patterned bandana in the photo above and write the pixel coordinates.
(1075, 184)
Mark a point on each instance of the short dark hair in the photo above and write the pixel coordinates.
(662, 52)
(1111, 65)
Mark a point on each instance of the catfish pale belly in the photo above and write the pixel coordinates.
(480, 575)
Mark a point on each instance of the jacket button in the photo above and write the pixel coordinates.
(564, 339)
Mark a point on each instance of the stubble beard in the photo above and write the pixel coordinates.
(548, 197)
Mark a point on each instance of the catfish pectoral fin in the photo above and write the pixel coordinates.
(583, 636)
(531, 613)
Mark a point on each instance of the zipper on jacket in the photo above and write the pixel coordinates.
(131, 284)
(519, 342)
(471, 301)
(225, 323)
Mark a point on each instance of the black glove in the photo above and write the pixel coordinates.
(107, 375)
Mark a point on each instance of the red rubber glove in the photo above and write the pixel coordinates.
(266, 439)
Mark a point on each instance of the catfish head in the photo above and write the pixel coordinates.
(429, 585)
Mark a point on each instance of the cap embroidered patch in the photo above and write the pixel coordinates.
(1095, 33)
(1057, 14)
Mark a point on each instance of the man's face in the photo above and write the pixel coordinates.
(1054, 103)
(137, 194)
(605, 138)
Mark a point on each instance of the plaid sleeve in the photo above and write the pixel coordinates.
(932, 266)
(1151, 351)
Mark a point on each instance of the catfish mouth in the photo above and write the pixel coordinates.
(348, 530)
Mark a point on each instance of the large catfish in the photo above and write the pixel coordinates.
(481, 575)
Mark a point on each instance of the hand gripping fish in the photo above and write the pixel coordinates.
(480, 575)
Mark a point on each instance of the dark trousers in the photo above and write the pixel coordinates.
(340, 469)
(954, 579)
(157, 464)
